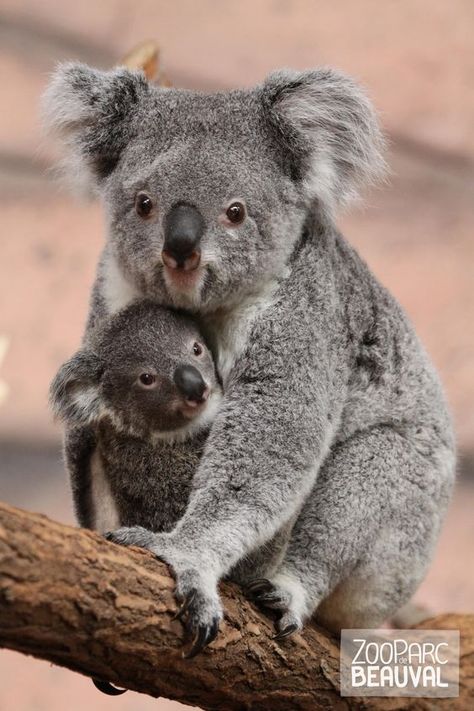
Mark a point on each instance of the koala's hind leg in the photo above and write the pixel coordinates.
(372, 593)
(364, 537)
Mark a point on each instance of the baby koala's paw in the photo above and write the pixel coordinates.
(131, 536)
(280, 594)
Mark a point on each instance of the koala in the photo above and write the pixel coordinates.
(146, 388)
(333, 421)
(138, 402)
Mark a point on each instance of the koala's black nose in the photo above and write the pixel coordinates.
(190, 383)
(184, 227)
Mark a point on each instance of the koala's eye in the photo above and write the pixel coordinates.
(143, 205)
(147, 380)
(197, 349)
(236, 213)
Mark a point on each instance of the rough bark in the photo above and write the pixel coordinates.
(72, 598)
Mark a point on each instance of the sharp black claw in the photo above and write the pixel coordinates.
(113, 538)
(268, 599)
(259, 586)
(285, 632)
(199, 643)
(185, 606)
(205, 635)
(213, 631)
(107, 688)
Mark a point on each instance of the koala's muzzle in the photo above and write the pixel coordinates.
(184, 227)
(190, 383)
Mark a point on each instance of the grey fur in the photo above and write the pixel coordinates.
(149, 463)
(332, 413)
(140, 435)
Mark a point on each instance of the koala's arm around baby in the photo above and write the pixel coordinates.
(260, 462)
(269, 438)
(281, 406)
(272, 431)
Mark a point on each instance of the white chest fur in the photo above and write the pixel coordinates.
(106, 517)
(230, 329)
(117, 291)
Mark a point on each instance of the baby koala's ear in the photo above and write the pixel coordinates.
(74, 392)
(92, 112)
(328, 129)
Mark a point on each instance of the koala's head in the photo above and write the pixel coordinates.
(206, 194)
(147, 370)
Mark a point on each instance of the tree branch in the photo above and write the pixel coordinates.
(70, 597)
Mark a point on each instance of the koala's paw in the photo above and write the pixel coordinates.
(196, 589)
(131, 536)
(275, 596)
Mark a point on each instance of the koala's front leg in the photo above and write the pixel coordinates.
(260, 463)
(196, 582)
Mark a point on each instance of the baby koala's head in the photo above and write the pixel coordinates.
(147, 370)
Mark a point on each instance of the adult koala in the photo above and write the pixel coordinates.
(223, 204)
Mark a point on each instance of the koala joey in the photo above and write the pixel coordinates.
(146, 389)
(147, 386)
(224, 204)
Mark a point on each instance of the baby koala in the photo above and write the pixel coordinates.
(138, 401)
(147, 383)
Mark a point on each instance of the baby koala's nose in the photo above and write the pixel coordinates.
(190, 383)
(184, 227)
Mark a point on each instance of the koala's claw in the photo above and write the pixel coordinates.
(185, 606)
(286, 631)
(205, 635)
(264, 592)
(106, 687)
(259, 586)
(271, 599)
(267, 594)
(190, 614)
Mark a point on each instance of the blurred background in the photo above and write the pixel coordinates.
(417, 232)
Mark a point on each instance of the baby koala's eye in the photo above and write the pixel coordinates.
(143, 205)
(236, 213)
(147, 380)
(197, 349)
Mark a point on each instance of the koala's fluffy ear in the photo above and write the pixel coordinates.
(74, 392)
(92, 112)
(328, 130)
